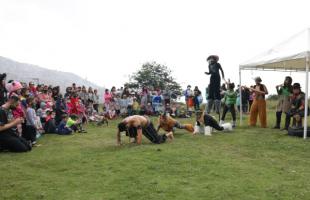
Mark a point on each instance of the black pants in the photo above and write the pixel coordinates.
(10, 141)
(214, 88)
(230, 108)
(149, 132)
(210, 121)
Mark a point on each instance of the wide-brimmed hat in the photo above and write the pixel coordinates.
(215, 57)
(296, 86)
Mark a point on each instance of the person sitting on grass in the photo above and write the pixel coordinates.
(9, 139)
(135, 126)
(62, 128)
(230, 97)
(75, 124)
(297, 110)
(50, 123)
(169, 124)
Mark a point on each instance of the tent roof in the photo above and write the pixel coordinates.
(289, 55)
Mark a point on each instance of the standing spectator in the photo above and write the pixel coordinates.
(189, 99)
(74, 89)
(229, 103)
(107, 99)
(167, 97)
(130, 104)
(144, 98)
(124, 105)
(126, 92)
(258, 107)
(135, 106)
(113, 91)
(157, 103)
(96, 100)
(285, 92)
(84, 95)
(197, 98)
(33, 121)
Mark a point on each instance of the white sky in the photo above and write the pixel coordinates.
(106, 41)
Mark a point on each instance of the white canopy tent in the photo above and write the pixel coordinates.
(291, 55)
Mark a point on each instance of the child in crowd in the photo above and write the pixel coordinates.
(124, 105)
(229, 103)
(50, 124)
(62, 128)
(130, 104)
(149, 109)
(135, 106)
(41, 112)
(75, 124)
(31, 117)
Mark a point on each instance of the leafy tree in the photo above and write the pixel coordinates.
(155, 76)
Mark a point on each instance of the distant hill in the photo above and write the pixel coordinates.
(28, 72)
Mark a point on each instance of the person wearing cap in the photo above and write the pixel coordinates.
(3, 91)
(284, 91)
(297, 110)
(214, 96)
(258, 107)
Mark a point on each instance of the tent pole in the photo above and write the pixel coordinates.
(240, 96)
(306, 97)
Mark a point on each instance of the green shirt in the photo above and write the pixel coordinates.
(230, 97)
(70, 122)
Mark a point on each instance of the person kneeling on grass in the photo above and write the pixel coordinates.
(136, 125)
(207, 120)
(169, 124)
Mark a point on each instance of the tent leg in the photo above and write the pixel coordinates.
(240, 92)
(306, 97)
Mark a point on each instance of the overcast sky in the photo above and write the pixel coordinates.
(105, 41)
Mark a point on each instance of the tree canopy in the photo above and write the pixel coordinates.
(156, 76)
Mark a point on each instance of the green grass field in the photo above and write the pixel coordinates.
(249, 163)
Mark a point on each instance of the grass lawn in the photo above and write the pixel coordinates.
(250, 163)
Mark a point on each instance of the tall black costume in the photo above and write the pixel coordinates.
(214, 96)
